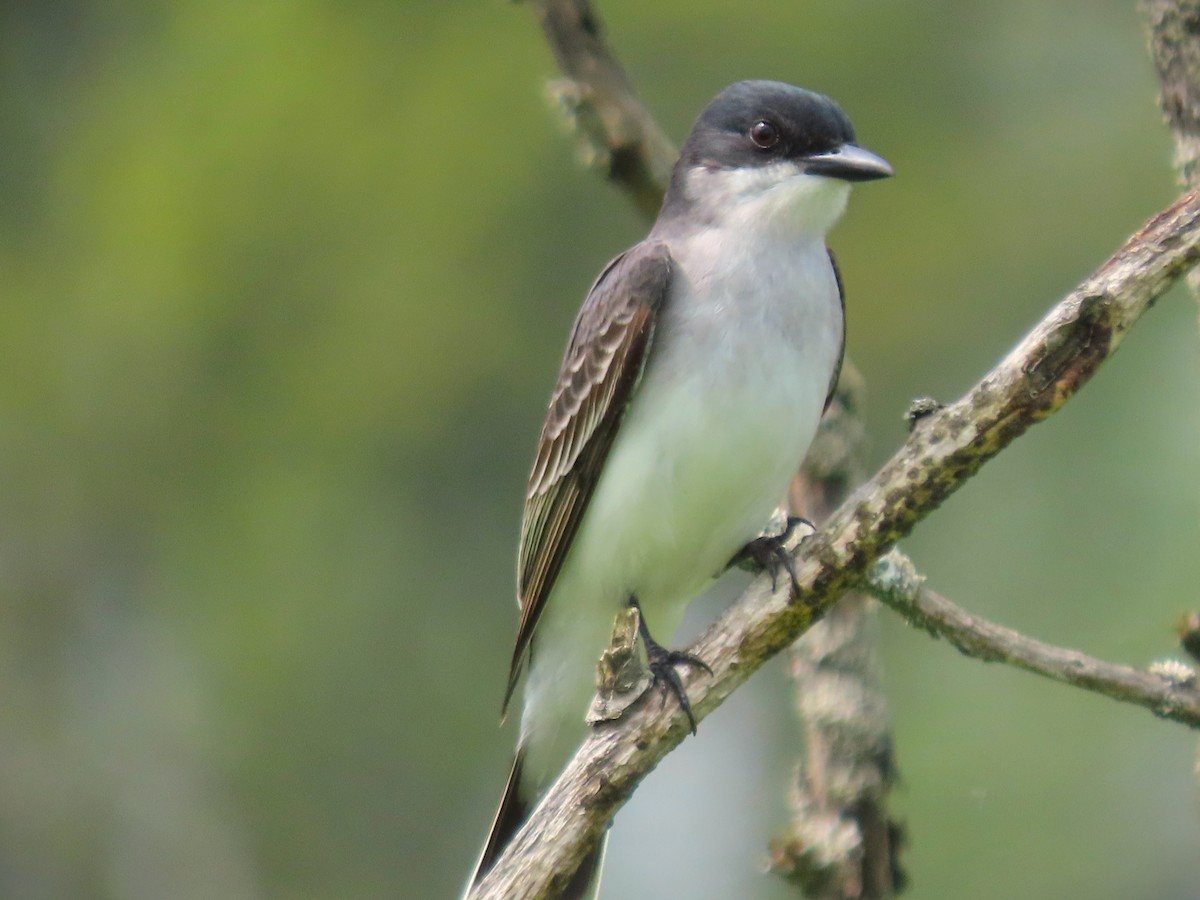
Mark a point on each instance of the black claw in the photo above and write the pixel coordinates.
(793, 521)
(662, 663)
(770, 553)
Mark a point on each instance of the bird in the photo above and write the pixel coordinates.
(692, 385)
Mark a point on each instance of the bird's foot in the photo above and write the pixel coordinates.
(770, 553)
(662, 663)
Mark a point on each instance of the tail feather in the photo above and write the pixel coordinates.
(514, 809)
(510, 815)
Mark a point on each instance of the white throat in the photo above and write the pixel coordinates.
(779, 196)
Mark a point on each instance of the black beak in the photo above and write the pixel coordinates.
(848, 162)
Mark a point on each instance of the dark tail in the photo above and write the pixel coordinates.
(514, 810)
(512, 813)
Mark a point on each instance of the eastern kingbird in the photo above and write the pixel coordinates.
(692, 385)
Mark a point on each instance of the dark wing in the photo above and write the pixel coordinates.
(837, 369)
(603, 363)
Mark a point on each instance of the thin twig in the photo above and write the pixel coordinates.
(948, 447)
(1168, 691)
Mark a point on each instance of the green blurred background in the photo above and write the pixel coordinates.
(283, 287)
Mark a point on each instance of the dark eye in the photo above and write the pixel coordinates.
(764, 134)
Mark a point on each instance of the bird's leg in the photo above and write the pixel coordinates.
(770, 552)
(662, 663)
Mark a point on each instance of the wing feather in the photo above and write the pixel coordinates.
(837, 369)
(604, 360)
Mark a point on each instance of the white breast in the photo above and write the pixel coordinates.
(728, 405)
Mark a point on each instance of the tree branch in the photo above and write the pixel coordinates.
(1166, 690)
(839, 843)
(1173, 30)
(1173, 27)
(944, 450)
(619, 134)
